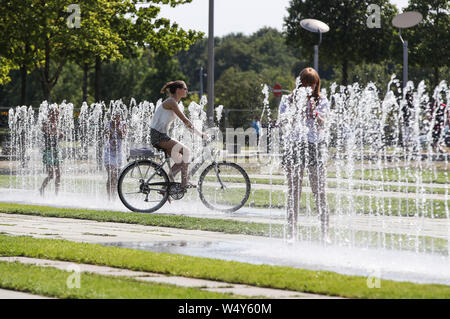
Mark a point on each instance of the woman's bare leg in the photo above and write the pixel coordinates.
(108, 181)
(294, 177)
(46, 180)
(57, 179)
(181, 156)
(317, 179)
(114, 178)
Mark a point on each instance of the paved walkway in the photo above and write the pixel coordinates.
(11, 294)
(342, 258)
(413, 226)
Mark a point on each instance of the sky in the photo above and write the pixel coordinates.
(246, 16)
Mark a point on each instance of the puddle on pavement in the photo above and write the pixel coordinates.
(395, 265)
(210, 249)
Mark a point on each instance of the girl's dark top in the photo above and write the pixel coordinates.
(50, 135)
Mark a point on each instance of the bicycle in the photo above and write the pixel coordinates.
(222, 186)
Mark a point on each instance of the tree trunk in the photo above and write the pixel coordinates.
(345, 72)
(45, 74)
(98, 65)
(23, 76)
(23, 86)
(85, 81)
(436, 76)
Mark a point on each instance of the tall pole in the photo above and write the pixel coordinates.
(316, 58)
(210, 110)
(316, 52)
(201, 82)
(405, 59)
(405, 63)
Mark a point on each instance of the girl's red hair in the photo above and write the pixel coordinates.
(309, 77)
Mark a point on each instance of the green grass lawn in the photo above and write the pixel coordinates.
(344, 183)
(403, 174)
(310, 233)
(319, 282)
(52, 282)
(351, 202)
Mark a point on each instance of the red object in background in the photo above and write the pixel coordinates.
(277, 90)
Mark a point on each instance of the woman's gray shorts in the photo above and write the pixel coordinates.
(157, 137)
(303, 153)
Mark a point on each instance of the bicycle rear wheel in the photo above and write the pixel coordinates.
(138, 195)
(224, 187)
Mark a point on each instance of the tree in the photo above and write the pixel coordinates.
(140, 27)
(234, 50)
(430, 39)
(107, 30)
(349, 39)
(269, 49)
(240, 92)
(5, 67)
(16, 26)
(163, 69)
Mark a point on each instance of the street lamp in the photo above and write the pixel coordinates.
(402, 21)
(210, 109)
(317, 26)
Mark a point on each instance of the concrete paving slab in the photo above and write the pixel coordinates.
(69, 266)
(255, 292)
(11, 294)
(185, 282)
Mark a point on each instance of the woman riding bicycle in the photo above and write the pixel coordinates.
(165, 114)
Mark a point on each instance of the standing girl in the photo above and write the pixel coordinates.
(50, 155)
(304, 146)
(115, 132)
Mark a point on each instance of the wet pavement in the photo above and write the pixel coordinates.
(387, 264)
(432, 227)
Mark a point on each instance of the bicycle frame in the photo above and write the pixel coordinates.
(192, 172)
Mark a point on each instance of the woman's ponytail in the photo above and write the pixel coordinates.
(172, 86)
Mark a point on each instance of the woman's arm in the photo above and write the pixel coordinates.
(174, 107)
(321, 107)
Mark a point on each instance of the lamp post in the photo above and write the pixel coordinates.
(317, 26)
(210, 109)
(403, 21)
(201, 82)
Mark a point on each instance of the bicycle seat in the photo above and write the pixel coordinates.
(142, 153)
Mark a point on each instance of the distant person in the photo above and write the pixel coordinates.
(407, 111)
(441, 118)
(304, 145)
(50, 154)
(115, 132)
(256, 124)
(164, 116)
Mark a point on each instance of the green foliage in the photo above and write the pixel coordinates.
(349, 39)
(5, 68)
(429, 41)
(240, 91)
(39, 35)
(243, 64)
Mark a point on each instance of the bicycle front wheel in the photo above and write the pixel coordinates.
(140, 194)
(224, 187)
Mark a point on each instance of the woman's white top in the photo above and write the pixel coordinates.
(162, 119)
(299, 129)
